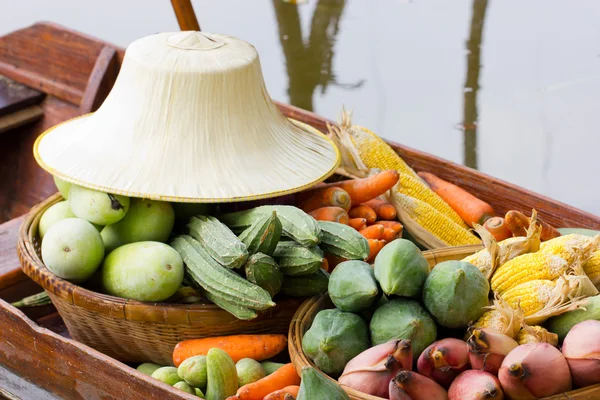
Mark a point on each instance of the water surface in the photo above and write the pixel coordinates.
(509, 87)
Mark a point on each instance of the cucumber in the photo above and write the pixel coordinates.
(222, 375)
(343, 241)
(296, 224)
(264, 272)
(305, 285)
(217, 279)
(295, 259)
(237, 311)
(218, 241)
(263, 235)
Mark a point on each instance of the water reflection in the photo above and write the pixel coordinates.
(309, 65)
(472, 83)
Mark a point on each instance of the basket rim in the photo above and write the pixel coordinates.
(112, 306)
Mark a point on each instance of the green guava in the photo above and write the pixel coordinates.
(63, 187)
(53, 214)
(144, 271)
(72, 249)
(146, 220)
(97, 207)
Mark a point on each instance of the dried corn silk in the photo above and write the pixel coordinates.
(506, 249)
(542, 299)
(502, 318)
(569, 247)
(536, 334)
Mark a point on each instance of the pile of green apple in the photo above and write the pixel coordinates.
(120, 240)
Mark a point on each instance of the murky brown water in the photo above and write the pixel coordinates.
(510, 87)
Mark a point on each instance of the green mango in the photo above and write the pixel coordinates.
(144, 271)
(193, 371)
(148, 368)
(146, 220)
(181, 385)
(167, 375)
(97, 207)
(249, 370)
(54, 213)
(63, 187)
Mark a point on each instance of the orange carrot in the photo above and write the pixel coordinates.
(382, 208)
(257, 347)
(358, 223)
(333, 214)
(373, 232)
(470, 208)
(325, 265)
(395, 225)
(375, 245)
(287, 393)
(389, 234)
(498, 228)
(363, 211)
(365, 189)
(283, 377)
(333, 261)
(333, 196)
(518, 223)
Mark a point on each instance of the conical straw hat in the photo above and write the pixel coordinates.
(188, 120)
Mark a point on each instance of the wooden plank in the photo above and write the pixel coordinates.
(15, 387)
(10, 271)
(68, 369)
(20, 118)
(15, 96)
(101, 80)
(186, 18)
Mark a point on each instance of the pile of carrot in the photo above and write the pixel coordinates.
(356, 203)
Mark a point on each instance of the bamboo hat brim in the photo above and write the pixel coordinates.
(188, 120)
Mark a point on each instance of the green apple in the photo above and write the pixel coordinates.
(53, 214)
(63, 187)
(97, 207)
(72, 249)
(144, 271)
(146, 220)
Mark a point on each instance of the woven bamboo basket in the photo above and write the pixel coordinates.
(309, 309)
(133, 331)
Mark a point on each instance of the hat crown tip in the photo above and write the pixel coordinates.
(194, 40)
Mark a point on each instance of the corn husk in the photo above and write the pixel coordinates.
(536, 334)
(500, 317)
(352, 166)
(188, 120)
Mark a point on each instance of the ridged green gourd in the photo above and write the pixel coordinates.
(334, 338)
(305, 285)
(343, 241)
(296, 224)
(294, 259)
(562, 324)
(401, 269)
(218, 280)
(455, 293)
(222, 375)
(240, 312)
(403, 319)
(352, 286)
(263, 271)
(263, 235)
(316, 386)
(218, 240)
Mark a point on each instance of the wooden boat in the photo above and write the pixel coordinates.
(37, 357)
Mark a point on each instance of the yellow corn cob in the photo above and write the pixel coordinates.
(536, 334)
(482, 260)
(592, 268)
(502, 318)
(414, 187)
(568, 247)
(525, 268)
(531, 296)
(375, 152)
(434, 222)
